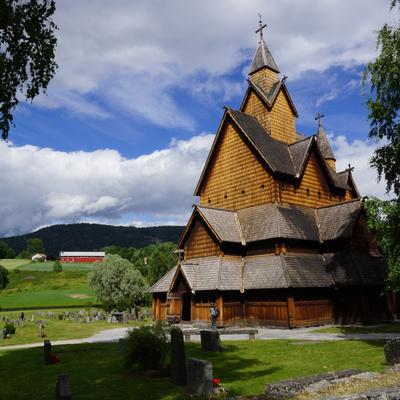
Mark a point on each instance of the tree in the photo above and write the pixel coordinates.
(383, 104)
(27, 52)
(33, 246)
(6, 251)
(57, 267)
(3, 277)
(384, 220)
(117, 283)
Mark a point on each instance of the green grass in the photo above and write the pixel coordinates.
(387, 328)
(45, 289)
(48, 266)
(55, 329)
(96, 371)
(11, 263)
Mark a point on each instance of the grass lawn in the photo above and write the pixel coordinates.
(48, 266)
(11, 263)
(387, 328)
(56, 329)
(96, 371)
(46, 289)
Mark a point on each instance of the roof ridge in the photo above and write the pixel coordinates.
(301, 140)
(239, 228)
(285, 272)
(212, 208)
(359, 199)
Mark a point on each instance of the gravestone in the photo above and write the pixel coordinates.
(178, 361)
(47, 352)
(199, 377)
(210, 340)
(63, 390)
(392, 351)
(4, 333)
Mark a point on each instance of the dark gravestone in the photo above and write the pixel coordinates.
(63, 390)
(210, 340)
(47, 352)
(392, 351)
(178, 361)
(199, 377)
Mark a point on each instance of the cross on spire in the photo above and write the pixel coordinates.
(319, 117)
(261, 27)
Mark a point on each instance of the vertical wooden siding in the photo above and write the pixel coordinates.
(236, 178)
(200, 243)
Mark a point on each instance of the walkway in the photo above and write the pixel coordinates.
(113, 335)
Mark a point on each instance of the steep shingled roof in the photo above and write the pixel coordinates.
(262, 59)
(324, 145)
(268, 271)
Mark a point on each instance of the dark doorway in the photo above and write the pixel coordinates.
(186, 307)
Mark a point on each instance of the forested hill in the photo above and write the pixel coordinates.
(91, 237)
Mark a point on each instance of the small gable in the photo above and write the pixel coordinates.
(363, 239)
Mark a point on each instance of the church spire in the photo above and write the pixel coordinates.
(323, 143)
(262, 57)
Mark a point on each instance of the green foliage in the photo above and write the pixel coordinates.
(27, 51)
(152, 261)
(3, 277)
(6, 251)
(147, 347)
(33, 246)
(57, 267)
(384, 104)
(10, 328)
(117, 282)
(384, 220)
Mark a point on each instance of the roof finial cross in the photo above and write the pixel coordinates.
(261, 27)
(319, 117)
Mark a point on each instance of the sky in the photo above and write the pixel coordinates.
(125, 127)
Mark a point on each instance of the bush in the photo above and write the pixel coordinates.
(10, 328)
(147, 347)
(3, 277)
(57, 267)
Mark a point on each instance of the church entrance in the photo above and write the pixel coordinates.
(186, 305)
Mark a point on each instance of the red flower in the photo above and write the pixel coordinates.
(216, 381)
(54, 359)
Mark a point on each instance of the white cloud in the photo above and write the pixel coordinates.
(44, 186)
(135, 54)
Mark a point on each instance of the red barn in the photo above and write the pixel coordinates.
(81, 256)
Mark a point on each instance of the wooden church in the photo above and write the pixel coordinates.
(279, 237)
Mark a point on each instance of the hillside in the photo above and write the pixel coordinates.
(91, 237)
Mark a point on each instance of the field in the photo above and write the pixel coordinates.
(28, 265)
(27, 288)
(97, 372)
(11, 264)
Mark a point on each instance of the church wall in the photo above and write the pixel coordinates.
(256, 108)
(363, 240)
(313, 190)
(265, 78)
(200, 243)
(236, 178)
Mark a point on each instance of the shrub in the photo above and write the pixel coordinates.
(3, 277)
(57, 267)
(147, 347)
(10, 328)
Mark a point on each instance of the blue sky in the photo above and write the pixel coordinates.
(123, 132)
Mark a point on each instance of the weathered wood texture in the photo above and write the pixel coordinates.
(363, 240)
(313, 189)
(265, 78)
(200, 243)
(312, 312)
(236, 178)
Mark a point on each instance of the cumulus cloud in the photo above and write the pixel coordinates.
(136, 54)
(41, 186)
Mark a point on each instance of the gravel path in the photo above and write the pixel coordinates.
(302, 334)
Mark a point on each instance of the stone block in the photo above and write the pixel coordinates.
(210, 340)
(199, 375)
(47, 352)
(392, 351)
(63, 389)
(178, 360)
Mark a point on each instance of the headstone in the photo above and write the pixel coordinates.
(178, 361)
(4, 333)
(210, 340)
(47, 352)
(199, 377)
(63, 390)
(392, 351)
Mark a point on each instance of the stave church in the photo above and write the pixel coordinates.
(279, 237)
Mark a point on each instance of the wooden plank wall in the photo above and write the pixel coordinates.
(236, 178)
(312, 312)
(200, 243)
(363, 240)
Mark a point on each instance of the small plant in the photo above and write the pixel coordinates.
(60, 317)
(57, 267)
(147, 347)
(10, 328)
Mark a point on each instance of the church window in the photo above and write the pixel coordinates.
(319, 195)
(262, 186)
(209, 200)
(226, 196)
(242, 191)
(308, 192)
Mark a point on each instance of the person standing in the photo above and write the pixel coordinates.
(214, 313)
